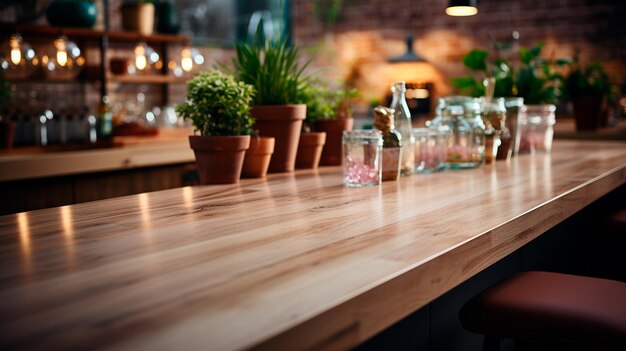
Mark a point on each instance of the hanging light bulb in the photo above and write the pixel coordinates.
(146, 59)
(186, 62)
(64, 61)
(459, 8)
(190, 61)
(16, 58)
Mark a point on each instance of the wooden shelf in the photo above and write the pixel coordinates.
(92, 34)
(145, 79)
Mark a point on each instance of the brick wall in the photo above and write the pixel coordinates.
(370, 31)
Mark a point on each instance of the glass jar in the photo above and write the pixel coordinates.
(513, 107)
(537, 128)
(462, 116)
(430, 149)
(362, 153)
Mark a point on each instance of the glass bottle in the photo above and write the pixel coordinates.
(392, 143)
(495, 113)
(462, 116)
(104, 120)
(402, 119)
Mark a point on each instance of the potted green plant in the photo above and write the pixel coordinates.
(273, 69)
(589, 88)
(316, 96)
(218, 107)
(257, 159)
(535, 79)
(334, 121)
(138, 16)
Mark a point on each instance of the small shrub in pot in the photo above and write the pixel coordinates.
(219, 108)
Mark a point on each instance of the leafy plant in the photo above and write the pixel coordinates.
(217, 104)
(324, 103)
(591, 79)
(272, 68)
(319, 102)
(535, 79)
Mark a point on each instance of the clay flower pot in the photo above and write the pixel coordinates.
(588, 111)
(138, 17)
(331, 154)
(219, 158)
(310, 150)
(257, 158)
(283, 122)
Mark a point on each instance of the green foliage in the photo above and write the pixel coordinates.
(475, 60)
(218, 105)
(326, 104)
(535, 79)
(591, 79)
(272, 68)
(319, 102)
(327, 11)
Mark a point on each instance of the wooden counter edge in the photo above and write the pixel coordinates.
(23, 167)
(350, 323)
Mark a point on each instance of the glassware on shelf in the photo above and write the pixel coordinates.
(513, 107)
(402, 120)
(145, 60)
(537, 128)
(64, 61)
(462, 117)
(190, 62)
(362, 153)
(104, 121)
(17, 58)
(430, 149)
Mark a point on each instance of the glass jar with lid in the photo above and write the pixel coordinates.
(462, 116)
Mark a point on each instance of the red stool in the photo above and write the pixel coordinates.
(550, 309)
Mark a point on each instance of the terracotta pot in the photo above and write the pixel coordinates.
(283, 122)
(138, 17)
(257, 158)
(7, 134)
(219, 158)
(587, 110)
(310, 150)
(332, 153)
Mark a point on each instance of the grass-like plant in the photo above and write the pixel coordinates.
(218, 105)
(273, 69)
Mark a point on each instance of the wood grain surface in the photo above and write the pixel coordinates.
(169, 147)
(294, 262)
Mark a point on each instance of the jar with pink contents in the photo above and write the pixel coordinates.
(362, 156)
(537, 128)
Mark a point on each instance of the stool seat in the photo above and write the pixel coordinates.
(543, 307)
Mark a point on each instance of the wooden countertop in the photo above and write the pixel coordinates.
(294, 262)
(169, 147)
(565, 128)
